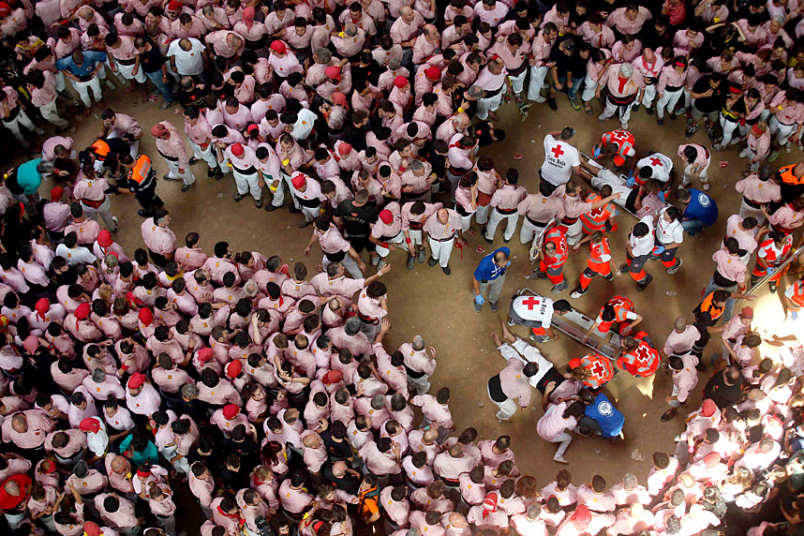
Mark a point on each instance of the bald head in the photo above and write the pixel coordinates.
(442, 215)
(19, 423)
(680, 324)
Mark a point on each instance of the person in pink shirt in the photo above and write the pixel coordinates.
(558, 418)
(170, 145)
(625, 86)
(628, 20)
(158, 238)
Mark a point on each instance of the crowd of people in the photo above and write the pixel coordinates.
(268, 390)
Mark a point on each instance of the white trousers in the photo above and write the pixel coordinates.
(60, 84)
(506, 409)
(83, 89)
(565, 439)
(415, 237)
(528, 231)
(668, 100)
(782, 132)
(623, 111)
(518, 82)
(704, 176)
(399, 240)
(441, 251)
(247, 184)
(348, 263)
(496, 218)
(728, 130)
(746, 211)
(104, 211)
(466, 221)
(537, 76)
(14, 126)
(174, 172)
(574, 233)
(482, 214)
(50, 113)
(589, 88)
(126, 71)
(648, 95)
(207, 155)
(484, 106)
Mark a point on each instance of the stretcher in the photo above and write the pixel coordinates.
(575, 323)
(592, 162)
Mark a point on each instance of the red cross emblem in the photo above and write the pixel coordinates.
(531, 302)
(656, 161)
(598, 369)
(557, 151)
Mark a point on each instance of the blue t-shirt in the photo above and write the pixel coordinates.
(606, 415)
(701, 207)
(28, 177)
(488, 270)
(91, 60)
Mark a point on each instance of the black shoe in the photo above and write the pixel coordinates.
(644, 284)
(145, 213)
(238, 197)
(635, 108)
(431, 261)
(270, 208)
(660, 121)
(551, 102)
(649, 111)
(218, 174)
(193, 161)
(258, 204)
(772, 287)
(210, 173)
(185, 187)
(493, 306)
(294, 210)
(446, 269)
(672, 117)
(410, 263)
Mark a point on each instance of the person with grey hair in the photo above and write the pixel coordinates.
(419, 364)
(102, 385)
(625, 87)
(348, 336)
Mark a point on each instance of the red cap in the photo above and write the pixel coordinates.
(708, 407)
(90, 424)
(333, 376)
(747, 312)
(582, 514)
(252, 127)
(42, 306)
(105, 238)
(338, 98)
(433, 73)
(344, 148)
(234, 369)
(400, 81)
(574, 363)
(279, 46)
(237, 149)
(5, 9)
(136, 380)
(230, 411)
(333, 72)
(298, 181)
(48, 466)
(204, 354)
(174, 5)
(56, 193)
(158, 129)
(143, 473)
(31, 344)
(92, 529)
(386, 216)
(82, 311)
(146, 316)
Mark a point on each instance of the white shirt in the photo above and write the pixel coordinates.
(644, 245)
(304, 124)
(660, 164)
(188, 62)
(534, 308)
(668, 232)
(77, 255)
(559, 159)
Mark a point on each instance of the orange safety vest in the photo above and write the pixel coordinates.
(558, 236)
(601, 368)
(798, 293)
(622, 306)
(141, 169)
(595, 220)
(708, 306)
(599, 257)
(787, 176)
(642, 361)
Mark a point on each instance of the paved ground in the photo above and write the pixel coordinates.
(427, 302)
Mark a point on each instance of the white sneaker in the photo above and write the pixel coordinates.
(560, 459)
(39, 131)
(110, 85)
(675, 268)
(116, 224)
(787, 147)
(576, 294)
(540, 100)
(601, 118)
(624, 125)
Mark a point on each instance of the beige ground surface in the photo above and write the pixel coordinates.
(427, 302)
